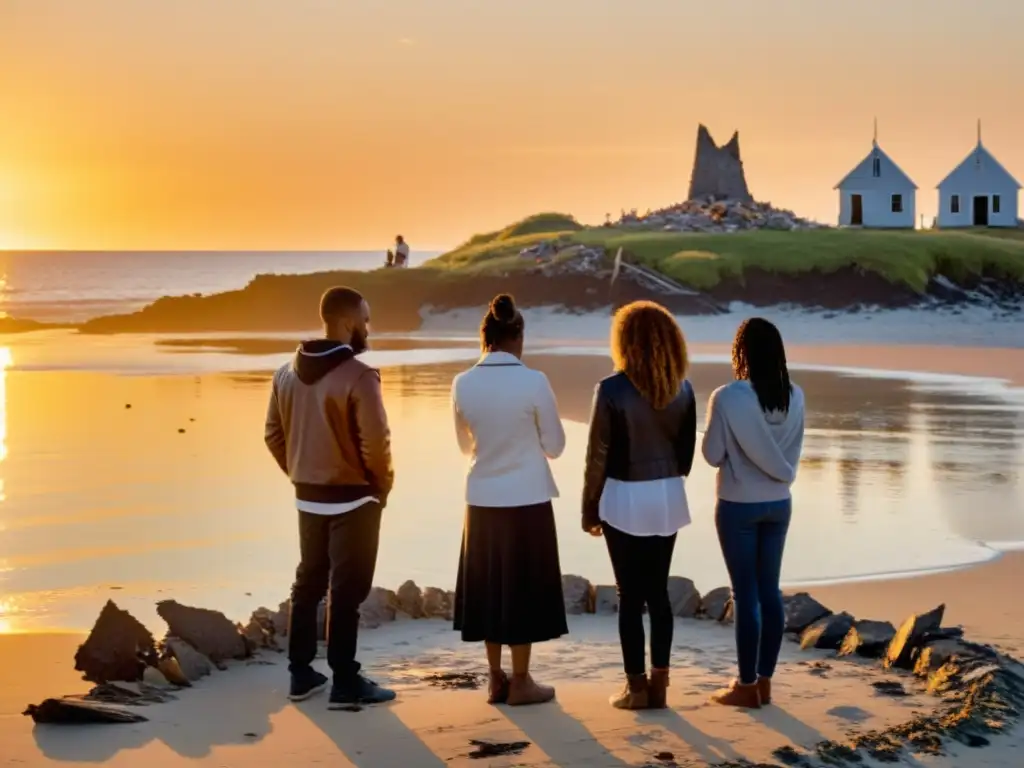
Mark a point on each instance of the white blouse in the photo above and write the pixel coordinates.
(506, 421)
(645, 508)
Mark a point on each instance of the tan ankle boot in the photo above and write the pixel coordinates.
(523, 690)
(739, 695)
(634, 694)
(657, 694)
(497, 692)
(764, 687)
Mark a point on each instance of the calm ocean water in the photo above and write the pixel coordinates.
(74, 286)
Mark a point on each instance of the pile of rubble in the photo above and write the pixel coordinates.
(714, 216)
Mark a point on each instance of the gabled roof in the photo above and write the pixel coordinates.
(981, 158)
(890, 171)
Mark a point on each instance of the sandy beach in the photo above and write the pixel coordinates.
(240, 717)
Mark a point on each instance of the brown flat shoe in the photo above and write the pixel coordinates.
(656, 692)
(498, 689)
(739, 695)
(634, 694)
(764, 687)
(523, 691)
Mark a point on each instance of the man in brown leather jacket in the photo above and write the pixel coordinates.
(328, 431)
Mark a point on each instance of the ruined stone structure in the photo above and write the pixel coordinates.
(718, 171)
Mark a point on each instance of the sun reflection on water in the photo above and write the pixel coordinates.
(6, 620)
(5, 363)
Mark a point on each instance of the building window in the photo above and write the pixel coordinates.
(954, 204)
(876, 167)
(897, 203)
(995, 203)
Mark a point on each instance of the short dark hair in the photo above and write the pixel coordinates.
(339, 301)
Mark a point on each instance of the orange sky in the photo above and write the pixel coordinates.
(338, 123)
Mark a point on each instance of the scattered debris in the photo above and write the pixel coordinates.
(496, 748)
(890, 688)
(79, 712)
(819, 668)
(454, 680)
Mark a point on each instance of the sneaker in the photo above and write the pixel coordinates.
(358, 691)
(306, 683)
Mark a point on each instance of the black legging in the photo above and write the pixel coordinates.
(641, 565)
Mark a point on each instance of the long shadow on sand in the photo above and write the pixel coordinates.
(563, 738)
(710, 749)
(191, 726)
(372, 738)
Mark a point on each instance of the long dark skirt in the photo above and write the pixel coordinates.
(509, 586)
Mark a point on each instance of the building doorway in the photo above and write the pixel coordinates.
(856, 211)
(981, 211)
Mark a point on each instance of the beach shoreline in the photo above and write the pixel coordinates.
(584, 665)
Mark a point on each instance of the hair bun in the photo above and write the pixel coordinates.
(503, 308)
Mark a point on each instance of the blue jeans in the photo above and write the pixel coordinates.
(753, 537)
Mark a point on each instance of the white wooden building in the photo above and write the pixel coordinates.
(979, 192)
(877, 193)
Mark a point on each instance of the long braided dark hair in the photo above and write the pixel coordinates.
(759, 356)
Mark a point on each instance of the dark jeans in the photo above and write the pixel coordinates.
(753, 537)
(641, 565)
(340, 552)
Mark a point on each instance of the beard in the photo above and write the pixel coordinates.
(360, 341)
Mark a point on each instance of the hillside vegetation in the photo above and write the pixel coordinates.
(703, 260)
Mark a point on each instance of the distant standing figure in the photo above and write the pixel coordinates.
(754, 436)
(643, 433)
(327, 429)
(509, 585)
(401, 252)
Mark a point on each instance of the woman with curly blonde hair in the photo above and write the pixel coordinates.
(643, 430)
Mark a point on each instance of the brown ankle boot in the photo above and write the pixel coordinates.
(634, 694)
(739, 695)
(656, 693)
(764, 687)
(523, 690)
(498, 689)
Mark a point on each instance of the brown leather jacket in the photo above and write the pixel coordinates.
(327, 428)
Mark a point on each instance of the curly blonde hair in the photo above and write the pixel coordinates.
(648, 346)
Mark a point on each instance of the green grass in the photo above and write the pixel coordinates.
(703, 260)
(499, 251)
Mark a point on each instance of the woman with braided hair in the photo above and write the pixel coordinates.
(754, 436)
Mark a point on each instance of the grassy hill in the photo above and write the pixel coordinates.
(703, 260)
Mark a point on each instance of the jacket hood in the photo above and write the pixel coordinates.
(316, 358)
